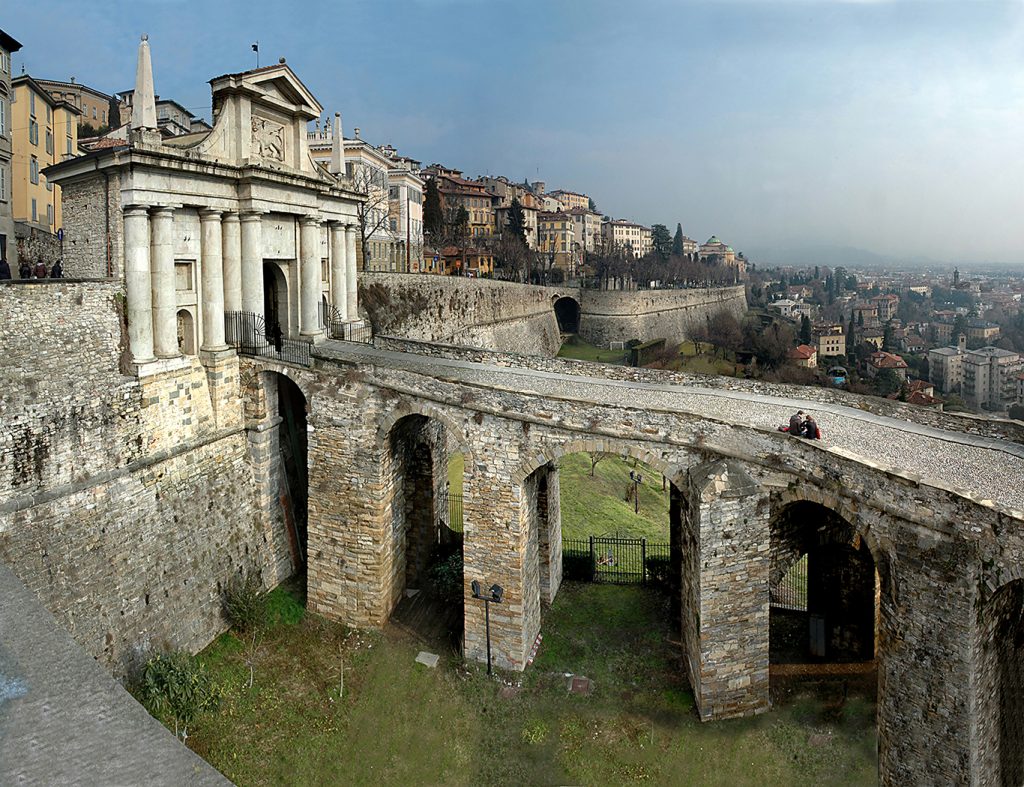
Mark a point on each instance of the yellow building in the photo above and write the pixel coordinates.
(45, 131)
(556, 238)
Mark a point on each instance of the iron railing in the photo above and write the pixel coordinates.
(620, 561)
(251, 334)
(451, 511)
(343, 330)
(791, 592)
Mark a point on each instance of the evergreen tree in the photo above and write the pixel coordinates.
(677, 241)
(517, 221)
(887, 338)
(661, 241)
(805, 329)
(433, 216)
(592, 205)
(849, 338)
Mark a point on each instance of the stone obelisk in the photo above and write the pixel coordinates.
(144, 98)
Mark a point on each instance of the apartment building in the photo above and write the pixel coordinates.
(990, 378)
(8, 246)
(627, 236)
(829, 339)
(100, 111)
(885, 306)
(556, 239)
(571, 200)
(586, 229)
(45, 131)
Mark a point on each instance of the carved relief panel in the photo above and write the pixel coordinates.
(267, 139)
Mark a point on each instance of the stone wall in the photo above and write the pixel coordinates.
(35, 244)
(93, 239)
(126, 503)
(624, 315)
(520, 318)
(469, 312)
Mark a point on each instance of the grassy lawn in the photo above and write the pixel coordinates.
(395, 722)
(597, 505)
(578, 350)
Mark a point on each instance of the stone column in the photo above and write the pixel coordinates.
(309, 277)
(165, 301)
(252, 263)
(339, 273)
(211, 249)
(351, 291)
(137, 282)
(232, 250)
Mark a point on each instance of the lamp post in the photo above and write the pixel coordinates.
(494, 597)
(637, 479)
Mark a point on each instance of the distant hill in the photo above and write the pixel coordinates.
(852, 257)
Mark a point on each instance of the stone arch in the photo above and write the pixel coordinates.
(416, 407)
(254, 388)
(673, 472)
(186, 332)
(999, 675)
(567, 313)
(808, 493)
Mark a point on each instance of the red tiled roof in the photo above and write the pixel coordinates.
(884, 360)
(922, 399)
(802, 353)
(919, 385)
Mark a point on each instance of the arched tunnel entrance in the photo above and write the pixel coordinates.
(567, 312)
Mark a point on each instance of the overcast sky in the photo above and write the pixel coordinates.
(891, 126)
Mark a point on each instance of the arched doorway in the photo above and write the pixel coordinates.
(186, 332)
(1000, 681)
(289, 486)
(275, 301)
(425, 551)
(824, 589)
(567, 312)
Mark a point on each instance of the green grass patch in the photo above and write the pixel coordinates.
(596, 505)
(576, 349)
(333, 706)
(456, 467)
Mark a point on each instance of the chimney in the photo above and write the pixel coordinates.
(144, 100)
(337, 147)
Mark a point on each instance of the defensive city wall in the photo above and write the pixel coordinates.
(519, 318)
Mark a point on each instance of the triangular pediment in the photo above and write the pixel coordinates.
(281, 85)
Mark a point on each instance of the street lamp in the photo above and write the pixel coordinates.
(637, 479)
(496, 592)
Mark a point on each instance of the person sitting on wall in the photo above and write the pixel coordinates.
(811, 431)
(24, 270)
(5, 269)
(40, 270)
(796, 423)
(57, 272)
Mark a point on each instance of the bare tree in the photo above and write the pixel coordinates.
(373, 215)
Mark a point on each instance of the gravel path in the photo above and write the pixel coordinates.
(989, 468)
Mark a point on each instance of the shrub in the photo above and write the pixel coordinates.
(446, 578)
(245, 603)
(177, 687)
(659, 570)
(576, 566)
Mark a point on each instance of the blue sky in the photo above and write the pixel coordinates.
(892, 126)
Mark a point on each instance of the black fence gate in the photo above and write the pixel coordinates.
(619, 561)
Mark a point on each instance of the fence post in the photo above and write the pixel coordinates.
(593, 564)
(643, 561)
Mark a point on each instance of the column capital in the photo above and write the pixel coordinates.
(209, 214)
(251, 215)
(163, 210)
(135, 210)
(230, 215)
(310, 220)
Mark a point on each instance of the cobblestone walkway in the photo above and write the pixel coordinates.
(990, 468)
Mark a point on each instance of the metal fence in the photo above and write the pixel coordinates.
(791, 592)
(620, 561)
(343, 330)
(250, 334)
(451, 507)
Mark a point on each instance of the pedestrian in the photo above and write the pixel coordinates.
(796, 423)
(40, 269)
(811, 431)
(24, 270)
(5, 269)
(58, 270)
